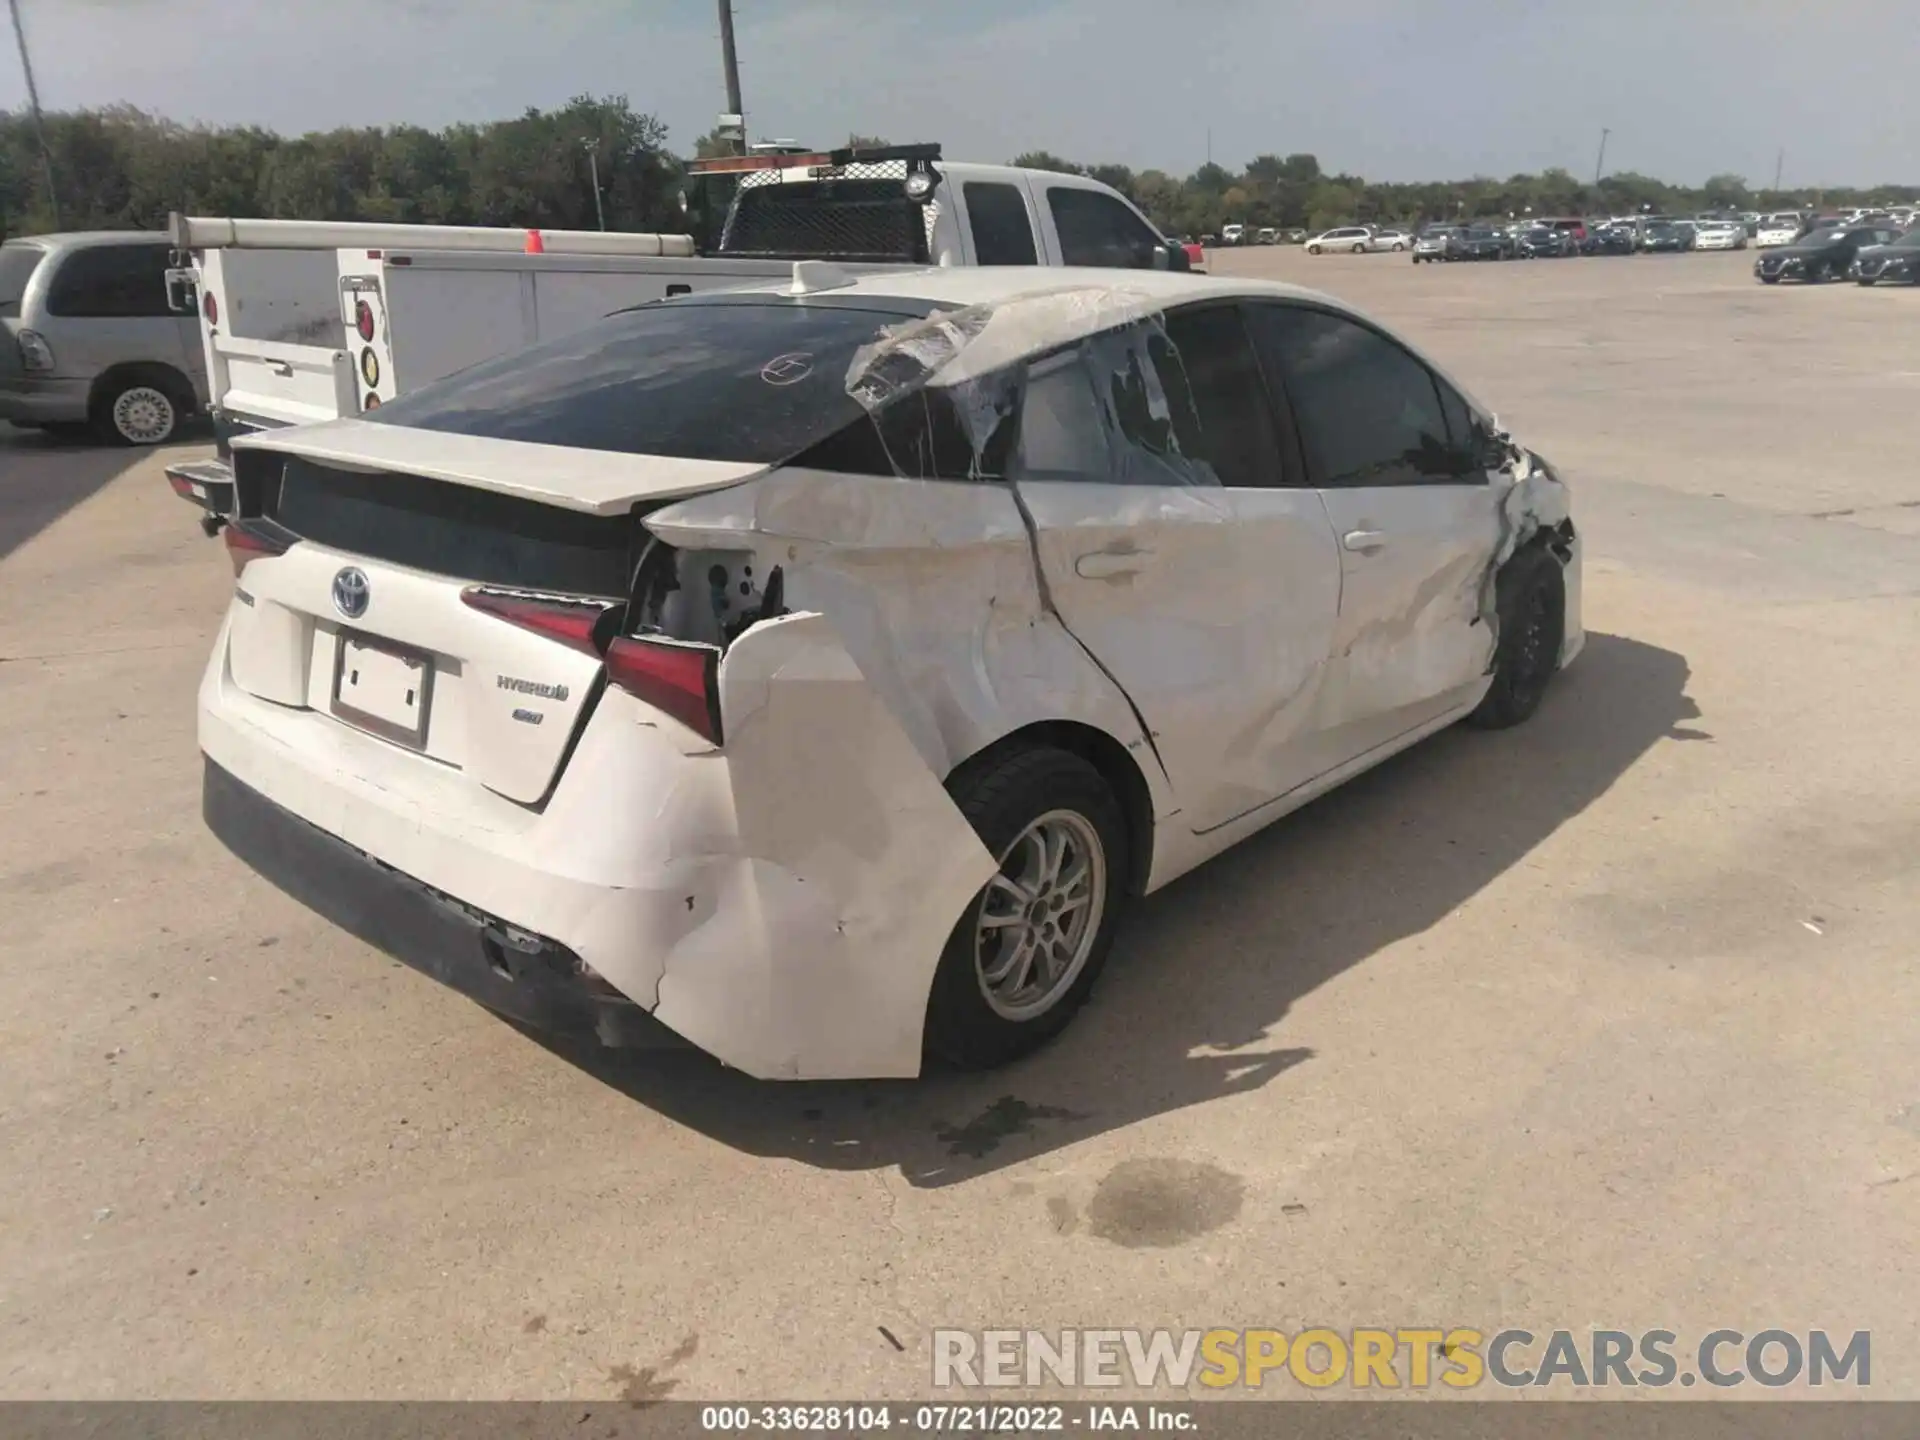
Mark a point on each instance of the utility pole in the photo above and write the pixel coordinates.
(730, 61)
(33, 105)
(593, 166)
(1602, 159)
(1779, 164)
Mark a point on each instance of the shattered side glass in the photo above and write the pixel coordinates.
(1113, 407)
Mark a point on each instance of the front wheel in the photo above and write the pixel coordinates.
(1531, 603)
(1769, 279)
(1398, 247)
(1024, 955)
(1313, 249)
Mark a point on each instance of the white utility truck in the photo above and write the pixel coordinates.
(310, 321)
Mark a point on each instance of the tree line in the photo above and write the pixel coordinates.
(120, 168)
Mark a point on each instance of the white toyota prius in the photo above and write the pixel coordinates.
(817, 671)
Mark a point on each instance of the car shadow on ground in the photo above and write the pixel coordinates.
(1214, 962)
(43, 476)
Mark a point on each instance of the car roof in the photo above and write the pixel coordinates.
(1067, 303)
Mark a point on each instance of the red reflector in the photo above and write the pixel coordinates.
(372, 402)
(673, 676)
(210, 307)
(571, 622)
(245, 545)
(373, 254)
(182, 486)
(363, 319)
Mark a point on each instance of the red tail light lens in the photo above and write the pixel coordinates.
(675, 676)
(372, 402)
(210, 307)
(245, 545)
(363, 319)
(573, 623)
(680, 678)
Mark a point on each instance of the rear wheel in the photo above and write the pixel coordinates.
(1360, 249)
(139, 406)
(1531, 597)
(1024, 955)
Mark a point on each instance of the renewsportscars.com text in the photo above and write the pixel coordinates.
(1416, 1358)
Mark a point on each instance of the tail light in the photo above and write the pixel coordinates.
(246, 544)
(35, 353)
(210, 307)
(677, 677)
(363, 320)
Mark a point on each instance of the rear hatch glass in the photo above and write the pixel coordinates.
(756, 381)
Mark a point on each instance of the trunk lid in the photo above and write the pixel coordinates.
(367, 618)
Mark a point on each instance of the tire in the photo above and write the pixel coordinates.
(1864, 280)
(141, 405)
(1531, 596)
(1398, 247)
(1005, 798)
(1769, 279)
(1360, 249)
(1313, 249)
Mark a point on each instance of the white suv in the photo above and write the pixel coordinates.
(816, 671)
(1356, 238)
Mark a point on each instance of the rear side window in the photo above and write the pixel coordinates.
(1368, 411)
(111, 282)
(696, 381)
(1002, 230)
(17, 264)
(1097, 229)
(1229, 397)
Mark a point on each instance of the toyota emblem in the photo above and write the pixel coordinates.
(350, 592)
(787, 369)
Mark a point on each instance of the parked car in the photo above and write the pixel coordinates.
(1355, 238)
(1434, 243)
(1781, 229)
(609, 682)
(1294, 237)
(1196, 254)
(1890, 262)
(1719, 235)
(88, 343)
(1394, 240)
(1657, 236)
(1823, 255)
(1267, 236)
(1484, 242)
(1232, 234)
(1545, 242)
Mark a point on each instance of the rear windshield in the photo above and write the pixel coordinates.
(828, 219)
(752, 382)
(18, 261)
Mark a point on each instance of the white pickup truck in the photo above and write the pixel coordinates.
(309, 321)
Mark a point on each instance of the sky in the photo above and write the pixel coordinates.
(1388, 89)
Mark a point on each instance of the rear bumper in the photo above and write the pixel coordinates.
(782, 904)
(536, 981)
(33, 400)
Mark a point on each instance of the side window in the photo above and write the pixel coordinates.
(1096, 229)
(1002, 230)
(111, 282)
(1229, 398)
(1062, 433)
(1369, 413)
